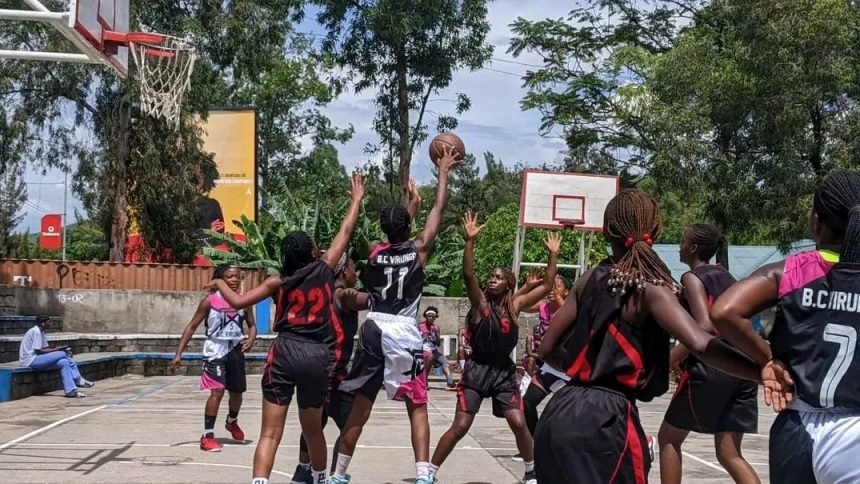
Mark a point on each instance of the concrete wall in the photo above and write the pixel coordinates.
(155, 312)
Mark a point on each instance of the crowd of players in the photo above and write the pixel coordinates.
(601, 345)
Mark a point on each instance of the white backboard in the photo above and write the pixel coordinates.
(550, 197)
(92, 18)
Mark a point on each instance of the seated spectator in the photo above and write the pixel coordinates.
(36, 354)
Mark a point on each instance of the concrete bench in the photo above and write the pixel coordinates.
(18, 382)
(20, 324)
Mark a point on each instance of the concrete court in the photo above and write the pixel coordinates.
(133, 429)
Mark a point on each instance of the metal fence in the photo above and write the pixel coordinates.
(54, 274)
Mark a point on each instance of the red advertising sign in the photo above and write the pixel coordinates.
(51, 236)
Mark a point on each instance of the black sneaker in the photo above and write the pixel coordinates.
(530, 478)
(302, 475)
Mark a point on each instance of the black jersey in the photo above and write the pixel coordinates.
(305, 305)
(349, 324)
(815, 332)
(494, 336)
(394, 277)
(715, 278)
(605, 350)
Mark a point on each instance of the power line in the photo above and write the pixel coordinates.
(496, 59)
(503, 72)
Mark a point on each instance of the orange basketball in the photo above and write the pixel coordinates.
(438, 144)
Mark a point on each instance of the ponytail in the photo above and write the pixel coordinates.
(711, 242)
(851, 242)
(837, 205)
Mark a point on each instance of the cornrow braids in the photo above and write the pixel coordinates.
(296, 252)
(711, 242)
(632, 218)
(395, 222)
(508, 299)
(837, 204)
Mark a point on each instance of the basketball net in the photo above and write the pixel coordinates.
(164, 73)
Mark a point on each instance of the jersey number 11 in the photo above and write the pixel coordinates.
(401, 275)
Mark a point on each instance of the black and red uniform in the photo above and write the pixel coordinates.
(590, 430)
(309, 337)
(490, 372)
(339, 403)
(708, 400)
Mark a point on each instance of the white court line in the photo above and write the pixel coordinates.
(703, 461)
(207, 464)
(283, 446)
(50, 426)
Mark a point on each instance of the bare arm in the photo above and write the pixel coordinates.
(664, 306)
(265, 290)
(414, 200)
(434, 219)
(732, 311)
(190, 329)
(697, 299)
(347, 227)
(553, 243)
(530, 346)
(473, 288)
(351, 300)
(533, 281)
(251, 321)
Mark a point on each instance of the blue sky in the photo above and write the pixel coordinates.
(495, 122)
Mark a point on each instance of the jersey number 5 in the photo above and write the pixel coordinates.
(401, 275)
(846, 338)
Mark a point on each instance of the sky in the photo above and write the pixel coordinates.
(494, 123)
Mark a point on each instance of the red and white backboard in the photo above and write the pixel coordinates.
(90, 19)
(553, 199)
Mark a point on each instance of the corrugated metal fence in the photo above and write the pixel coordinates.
(54, 274)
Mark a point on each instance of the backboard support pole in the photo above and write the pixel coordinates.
(47, 56)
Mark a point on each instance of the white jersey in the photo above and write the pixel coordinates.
(223, 328)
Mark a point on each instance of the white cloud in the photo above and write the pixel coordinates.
(494, 123)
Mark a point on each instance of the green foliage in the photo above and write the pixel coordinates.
(407, 51)
(495, 245)
(85, 241)
(13, 194)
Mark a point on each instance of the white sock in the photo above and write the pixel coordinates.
(318, 477)
(433, 469)
(530, 466)
(304, 466)
(342, 464)
(462, 364)
(422, 468)
(259, 480)
(208, 431)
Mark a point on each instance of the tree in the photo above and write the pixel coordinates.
(408, 51)
(13, 194)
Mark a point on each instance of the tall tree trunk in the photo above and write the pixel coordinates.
(403, 124)
(817, 141)
(120, 200)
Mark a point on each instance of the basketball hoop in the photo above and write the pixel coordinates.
(164, 67)
(571, 223)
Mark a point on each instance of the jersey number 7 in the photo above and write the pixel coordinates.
(846, 338)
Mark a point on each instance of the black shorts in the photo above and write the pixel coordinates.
(482, 381)
(368, 365)
(295, 363)
(228, 371)
(790, 452)
(590, 435)
(709, 401)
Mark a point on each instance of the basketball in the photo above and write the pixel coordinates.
(438, 144)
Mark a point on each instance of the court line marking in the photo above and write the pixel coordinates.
(44, 429)
(192, 444)
(703, 461)
(52, 425)
(207, 464)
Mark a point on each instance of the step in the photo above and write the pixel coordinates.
(18, 382)
(16, 324)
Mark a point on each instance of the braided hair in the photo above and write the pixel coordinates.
(710, 242)
(395, 222)
(222, 269)
(632, 218)
(297, 251)
(508, 299)
(837, 204)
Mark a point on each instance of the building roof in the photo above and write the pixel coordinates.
(743, 259)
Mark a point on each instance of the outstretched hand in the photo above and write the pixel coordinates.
(534, 278)
(414, 194)
(211, 286)
(778, 385)
(553, 242)
(356, 187)
(470, 225)
(448, 160)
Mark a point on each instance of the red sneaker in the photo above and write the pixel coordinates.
(235, 431)
(209, 444)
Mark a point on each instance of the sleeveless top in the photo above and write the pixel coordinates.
(305, 308)
(604, 350)
(493, 336)
(815, 332)
(394, 278)
(349, 324)
(224, 327)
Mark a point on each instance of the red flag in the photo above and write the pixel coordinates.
(52, 232)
